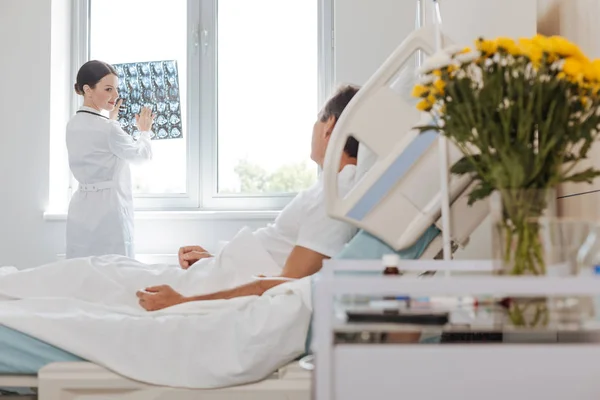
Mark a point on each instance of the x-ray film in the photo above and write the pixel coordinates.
(154, 84)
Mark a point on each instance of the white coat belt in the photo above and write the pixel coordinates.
(94, 187)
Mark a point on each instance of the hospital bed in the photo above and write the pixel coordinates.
(31, 366)
(78, 380)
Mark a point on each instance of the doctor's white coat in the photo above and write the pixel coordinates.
(100, 219)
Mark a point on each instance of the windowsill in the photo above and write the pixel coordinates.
(184, 215)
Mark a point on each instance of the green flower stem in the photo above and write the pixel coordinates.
(523, 250)
(518, 313)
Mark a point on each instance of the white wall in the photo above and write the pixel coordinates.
(366, 32)
(25, 115)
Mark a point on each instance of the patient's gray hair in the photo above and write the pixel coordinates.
(338, 102)
(334, 108)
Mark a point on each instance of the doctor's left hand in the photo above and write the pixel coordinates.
(114, 113)
(159, 297)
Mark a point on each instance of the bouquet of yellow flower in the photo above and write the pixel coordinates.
(523, 113)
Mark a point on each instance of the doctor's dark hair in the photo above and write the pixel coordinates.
(91, 73)
(334, 108)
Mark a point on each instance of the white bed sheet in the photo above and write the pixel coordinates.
(88, 307)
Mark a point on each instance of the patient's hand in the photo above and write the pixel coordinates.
(159, 297)
(188, 255)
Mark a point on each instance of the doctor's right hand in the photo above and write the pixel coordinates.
(144, 119)
(188, 255)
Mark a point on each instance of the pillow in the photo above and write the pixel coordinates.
(365, 246)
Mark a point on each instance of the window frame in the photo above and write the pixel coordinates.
(202, 130)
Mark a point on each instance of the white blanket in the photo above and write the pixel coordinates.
(88, 307)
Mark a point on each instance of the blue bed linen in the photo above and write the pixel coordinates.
(21, 354)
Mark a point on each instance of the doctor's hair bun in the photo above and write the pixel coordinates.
(91, 73)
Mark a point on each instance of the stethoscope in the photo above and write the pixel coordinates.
(90, 112)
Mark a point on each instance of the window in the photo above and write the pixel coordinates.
(131, 31)
(270, 100)
(252, 75)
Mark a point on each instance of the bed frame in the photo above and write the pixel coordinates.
(81, 380)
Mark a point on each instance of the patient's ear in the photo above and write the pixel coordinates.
(329, 125)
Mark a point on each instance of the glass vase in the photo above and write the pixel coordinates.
(516, 216)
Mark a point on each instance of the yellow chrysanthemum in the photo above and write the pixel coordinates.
(573, 69)
(508, 45)
(544, 45)
(449, 68)
(542, 42)
(420, 91)
(596, 67)
(564, 48)
(424, 105)
(439, 86)
(531, 50)
(486, 47)
(589, 72)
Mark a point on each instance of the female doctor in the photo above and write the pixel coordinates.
(100, 219)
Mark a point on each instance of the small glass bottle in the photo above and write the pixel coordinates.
(390, 263)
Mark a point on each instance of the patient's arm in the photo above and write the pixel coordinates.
(300, 263)
(188, 255)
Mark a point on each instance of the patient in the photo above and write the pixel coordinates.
(301, 237)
